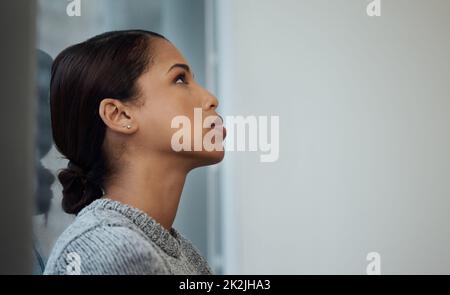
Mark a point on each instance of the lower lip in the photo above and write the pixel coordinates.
(224, 131)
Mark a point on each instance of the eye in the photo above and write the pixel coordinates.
(181, 79)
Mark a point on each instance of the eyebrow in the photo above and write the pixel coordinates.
(183, 66)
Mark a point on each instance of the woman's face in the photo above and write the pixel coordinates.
(168, 91)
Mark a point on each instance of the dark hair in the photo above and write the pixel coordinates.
(105, 66)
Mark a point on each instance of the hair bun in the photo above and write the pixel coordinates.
(77, 171)
(77, 191)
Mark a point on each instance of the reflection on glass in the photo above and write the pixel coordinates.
(45, 178)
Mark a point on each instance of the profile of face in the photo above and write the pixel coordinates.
(167, 90)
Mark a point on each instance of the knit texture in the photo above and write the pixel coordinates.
(109, 237)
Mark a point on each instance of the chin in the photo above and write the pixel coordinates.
(216, 156)
(205, 158)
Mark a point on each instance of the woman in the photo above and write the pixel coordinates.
(113, 99)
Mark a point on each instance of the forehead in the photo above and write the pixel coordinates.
(165, 54)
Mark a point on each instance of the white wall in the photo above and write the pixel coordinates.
(364, 136)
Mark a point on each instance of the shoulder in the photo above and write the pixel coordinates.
(102, 245)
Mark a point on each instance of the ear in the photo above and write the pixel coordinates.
(117, 116)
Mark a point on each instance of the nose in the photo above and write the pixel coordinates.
(210, 101)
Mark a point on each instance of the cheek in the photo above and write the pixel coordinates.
(164, 108)
(157, 121)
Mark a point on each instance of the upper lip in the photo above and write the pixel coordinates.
(218, 121)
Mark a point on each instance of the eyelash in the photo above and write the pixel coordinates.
(182, 77)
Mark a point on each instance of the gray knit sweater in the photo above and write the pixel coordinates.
(109, 237)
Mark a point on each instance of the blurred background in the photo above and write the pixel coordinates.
(364, 141)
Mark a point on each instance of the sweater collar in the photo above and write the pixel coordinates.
(168, 240)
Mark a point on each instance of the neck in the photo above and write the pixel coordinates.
(153, 185)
